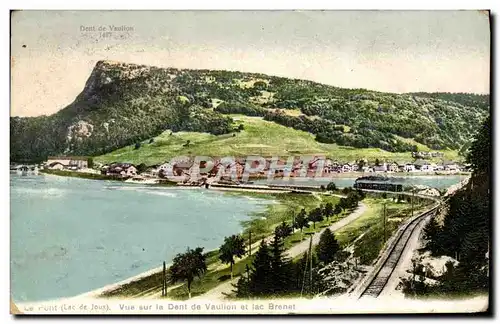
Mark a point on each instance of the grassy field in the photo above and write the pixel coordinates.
(367, 232)
(259, 137)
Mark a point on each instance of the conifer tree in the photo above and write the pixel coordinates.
(281, 268)
(283, 230)
(260, 279)
(327, 247)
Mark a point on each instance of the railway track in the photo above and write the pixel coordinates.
(377, 284)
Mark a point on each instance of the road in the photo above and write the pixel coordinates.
(222, 290)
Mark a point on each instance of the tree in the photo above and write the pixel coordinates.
(90, 163)
(479, 155)
(151, 141)
(315, 215)
(361, 164)
(260, 279)
(283, 230)
(328, 210)
(141, 168)
(281, 268)
(260, 85)
(377, 162)
(233, 246)
(303, 271)
(327, 247)
(331, 186)
(431, 235)
(301, 220)
(186, 266)
(243, 284)
(337, 209)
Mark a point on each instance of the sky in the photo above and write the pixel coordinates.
(54, 52)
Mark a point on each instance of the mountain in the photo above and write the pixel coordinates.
(122, 104)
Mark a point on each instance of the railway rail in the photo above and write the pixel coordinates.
(375, 284)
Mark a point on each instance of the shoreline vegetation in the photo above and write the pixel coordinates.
(95, 176)
(361, 235)
(262, 226)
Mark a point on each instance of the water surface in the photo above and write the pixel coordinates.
(70, 235)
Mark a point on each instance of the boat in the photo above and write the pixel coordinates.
(24, 170)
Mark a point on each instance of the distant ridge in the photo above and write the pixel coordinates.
(123, 103)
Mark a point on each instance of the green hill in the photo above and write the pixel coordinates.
(258, 137)
(124, 104)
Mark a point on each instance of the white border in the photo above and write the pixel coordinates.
(179, 5)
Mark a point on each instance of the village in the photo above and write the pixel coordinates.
(193, 170)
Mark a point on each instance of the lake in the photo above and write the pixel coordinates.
(70, 235)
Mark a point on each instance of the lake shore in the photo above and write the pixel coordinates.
(166, 182)
(99, 292)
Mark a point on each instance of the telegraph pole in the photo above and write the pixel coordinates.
(412, 199)
(385, 215)
(250, 243)
(164, 283)
(311, 264)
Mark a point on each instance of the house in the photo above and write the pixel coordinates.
(166, 169)
(367, 168)
(315, 163)
(450, 166)
(69, 162)
(393, 167)
(437, 154)
(419, 164)
(409, 167)
(439, 167)
(347, 167)
(427, 168)
(121, 170)
(56, 166)
(380, 168)
(181, 167)
(421, 155)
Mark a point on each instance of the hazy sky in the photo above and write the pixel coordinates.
(393, 51)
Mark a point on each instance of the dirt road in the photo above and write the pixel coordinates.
(220, 291)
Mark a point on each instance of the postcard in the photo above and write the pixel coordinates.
(250, 162)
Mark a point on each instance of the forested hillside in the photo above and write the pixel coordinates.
(122, 104)
(464, 232)
(467, 99)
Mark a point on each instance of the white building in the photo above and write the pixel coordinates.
(346, 168)
(409, 167)
(69, 162)
(427, 168)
